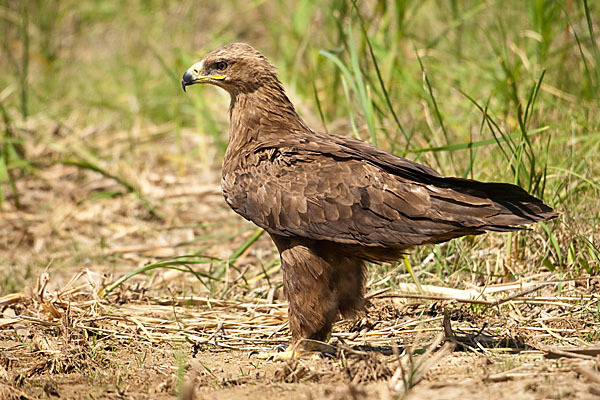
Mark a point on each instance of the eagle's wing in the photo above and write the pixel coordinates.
(330, 193)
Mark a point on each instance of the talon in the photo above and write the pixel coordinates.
(275, 356)
(280, 348)
(269, 355)
(253, 353)
(327, 355)
(282, 352)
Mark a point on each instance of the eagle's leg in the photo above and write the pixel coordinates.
(319, 282)
(308, 282)
(349, 281)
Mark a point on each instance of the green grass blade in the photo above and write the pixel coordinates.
(179, 264)
(129, 186)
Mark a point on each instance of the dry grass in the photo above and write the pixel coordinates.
(63, 330)
(249, 325)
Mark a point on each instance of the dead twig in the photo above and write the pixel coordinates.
(583, 352)
(518, 296)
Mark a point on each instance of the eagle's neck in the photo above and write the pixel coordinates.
(261, 116)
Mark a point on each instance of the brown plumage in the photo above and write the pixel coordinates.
(330, 202)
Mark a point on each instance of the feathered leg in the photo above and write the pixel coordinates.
(319, 282)
(308, 281)
(349, 280)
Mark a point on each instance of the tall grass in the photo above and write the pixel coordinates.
(12, 159)
(517, 70)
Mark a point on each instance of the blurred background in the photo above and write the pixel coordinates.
(106, 164)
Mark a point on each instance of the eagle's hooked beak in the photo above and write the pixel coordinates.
(192, 76)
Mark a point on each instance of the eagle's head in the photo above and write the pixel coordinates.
(235, 67)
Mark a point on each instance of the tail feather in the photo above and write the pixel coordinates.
(515, 206)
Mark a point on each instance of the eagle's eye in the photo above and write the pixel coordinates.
(221, 65)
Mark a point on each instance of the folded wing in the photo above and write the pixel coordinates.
(346, 195)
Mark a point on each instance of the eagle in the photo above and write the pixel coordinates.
(332, 203)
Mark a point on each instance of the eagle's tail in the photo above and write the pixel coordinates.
(515, 206)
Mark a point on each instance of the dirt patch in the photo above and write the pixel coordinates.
(72, 344)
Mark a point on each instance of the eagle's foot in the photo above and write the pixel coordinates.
(275, 355)
(281, 353)
(307, 348)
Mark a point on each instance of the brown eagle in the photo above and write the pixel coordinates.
(330, 203)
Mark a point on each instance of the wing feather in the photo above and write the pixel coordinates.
(361, 195)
